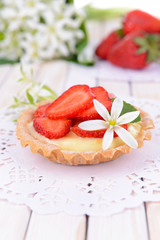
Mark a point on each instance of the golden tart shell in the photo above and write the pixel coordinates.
(55, 154)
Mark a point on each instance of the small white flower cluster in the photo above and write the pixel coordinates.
(39, 29)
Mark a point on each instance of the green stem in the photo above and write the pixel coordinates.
(102, 14)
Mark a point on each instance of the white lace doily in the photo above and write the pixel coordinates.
(102, 189)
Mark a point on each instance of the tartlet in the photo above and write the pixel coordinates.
(55, 153)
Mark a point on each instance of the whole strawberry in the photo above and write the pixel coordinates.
(136, 50)
(139, 20)
(105, 46)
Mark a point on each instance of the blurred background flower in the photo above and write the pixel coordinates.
(32, 30)
(40, 29)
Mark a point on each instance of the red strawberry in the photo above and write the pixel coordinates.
(52, 128)
(102, 96)
(92, 134)
(105, 46)
(139, 20)
(135, 50)
(71, 102)
(41, 111)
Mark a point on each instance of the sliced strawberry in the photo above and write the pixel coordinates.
(41, 111)
(71, 102)
(90, 134)
(102, 96)
(52, 128)
(93, 134)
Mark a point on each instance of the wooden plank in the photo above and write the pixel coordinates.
(53, 74)
(127, 225)
(59, 226)
(153, 216)
(146, 90)
(13, 221)
(119, 89)
(4, 69)
(97, 30)
(79, 75)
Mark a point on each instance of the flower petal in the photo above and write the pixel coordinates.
(126, 137)
(92, 125)
(128, 117)
(116, 108)
(107, 139)
(102, 110)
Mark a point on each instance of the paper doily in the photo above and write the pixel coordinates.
(102, 189)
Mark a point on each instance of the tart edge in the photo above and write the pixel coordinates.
(55, 154)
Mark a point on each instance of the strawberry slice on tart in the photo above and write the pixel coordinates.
(52, 128)
(41, 111)
(103, 97)
(93, 134)
(71, 102)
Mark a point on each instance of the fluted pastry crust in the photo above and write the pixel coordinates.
(55, 154)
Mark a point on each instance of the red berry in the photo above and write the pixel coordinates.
(41, 111)
(90, 134)
(105, 46)
(102, 96)
(139, 20)
(125, 52)
(52, 128)
(71, 102)
(93, 134)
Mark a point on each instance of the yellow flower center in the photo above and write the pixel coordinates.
(31, 3)
(112, 122)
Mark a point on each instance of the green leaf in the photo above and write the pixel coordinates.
(29, 97)
(21, 80)
(150, 44)
(120, 32)
(75, 60)
(83, 43)
(6, 61)
(16, 99)
(2, 36)
(141, 50)
(140, 41)
(129, 108)
(47, 88)
(70, 1)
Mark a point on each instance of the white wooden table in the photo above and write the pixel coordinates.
(19, 222)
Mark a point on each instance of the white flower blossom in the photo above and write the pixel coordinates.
(112, 123)
(39, 29)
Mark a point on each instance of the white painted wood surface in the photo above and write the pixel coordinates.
(59, 227)
(153, 217)
(14, 221)
(127, 225)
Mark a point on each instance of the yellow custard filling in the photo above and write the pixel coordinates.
(72, 142)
